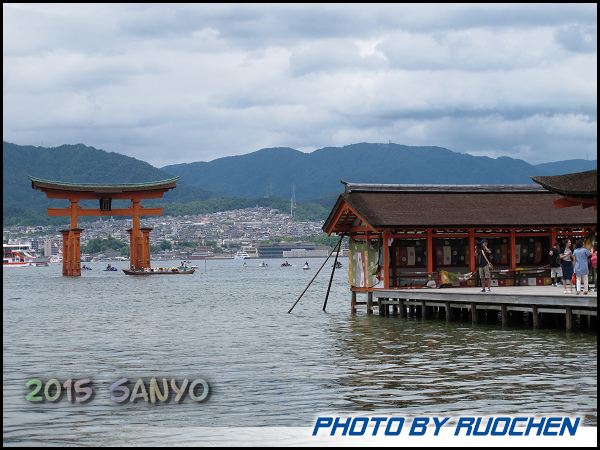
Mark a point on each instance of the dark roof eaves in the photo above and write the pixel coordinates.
(60, 184)
(443, 188)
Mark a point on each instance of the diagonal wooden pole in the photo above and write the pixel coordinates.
(333, 270)
(313, 278)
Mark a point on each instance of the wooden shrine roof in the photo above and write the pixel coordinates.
(409, 206)
(579, 184)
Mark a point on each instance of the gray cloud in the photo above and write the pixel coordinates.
(578, 38)
(180, 83)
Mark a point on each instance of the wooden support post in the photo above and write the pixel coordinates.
(74, 212)
(369, 302)
(512, 248)
(430, 250)
(402, 308)
(71, 264)
(339, 247)
(472, 253)
(504, 315)
(473, 313)
(134, 256)
(380, 306)
(448, 312)
(353, 302)
(76, 272)
(386, 260)
(535, 317)
(569, 318)
(424, 314)
(146, 247)
(65, 261)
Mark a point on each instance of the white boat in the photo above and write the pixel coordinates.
(306, 267)
(263, 264)
(241, 255)
(202, 255)
(18, 255)
(56, 259)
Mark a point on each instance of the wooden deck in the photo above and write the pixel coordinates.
(539, 301)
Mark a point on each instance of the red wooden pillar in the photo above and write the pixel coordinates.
(145, 247)
(472, 252)
(552, 236)
(65, 252)
(76, 250)
(430, 250)
(513, 249)
(132, 263)
(386, 260)
(74, 212)
(71, 254)
(135, 257)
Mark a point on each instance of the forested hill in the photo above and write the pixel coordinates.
(75, 163)
(267, 177)
(277, 171)
(79, 163)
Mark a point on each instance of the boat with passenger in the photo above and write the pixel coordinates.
(183, 270)
(241, 255)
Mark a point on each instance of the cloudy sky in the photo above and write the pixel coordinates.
(182, 83)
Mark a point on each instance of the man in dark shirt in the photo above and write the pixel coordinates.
(555, 265)
(485, 256)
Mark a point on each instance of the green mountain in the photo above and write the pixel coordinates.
(280, 170)
(267, 177)
(75, 163)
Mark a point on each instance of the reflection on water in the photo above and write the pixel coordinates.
(229, 325)
(424, 366)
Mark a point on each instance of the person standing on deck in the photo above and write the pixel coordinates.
(555, 266)
(581, 269)
(566, 257)
(485, 270)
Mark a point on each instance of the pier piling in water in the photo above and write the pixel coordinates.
(540, 306)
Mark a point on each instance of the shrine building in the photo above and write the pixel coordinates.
(405, 235)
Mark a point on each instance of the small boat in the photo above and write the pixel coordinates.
(241, 255)
(159, 271)
(286, 264)
(263, 264)
(306, 267)
(111, 269)
(338, 265)
(87, 268)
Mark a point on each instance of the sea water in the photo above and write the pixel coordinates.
(229, 326)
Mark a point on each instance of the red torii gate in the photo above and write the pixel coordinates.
(139, 237)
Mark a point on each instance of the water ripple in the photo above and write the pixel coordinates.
(265, 367)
